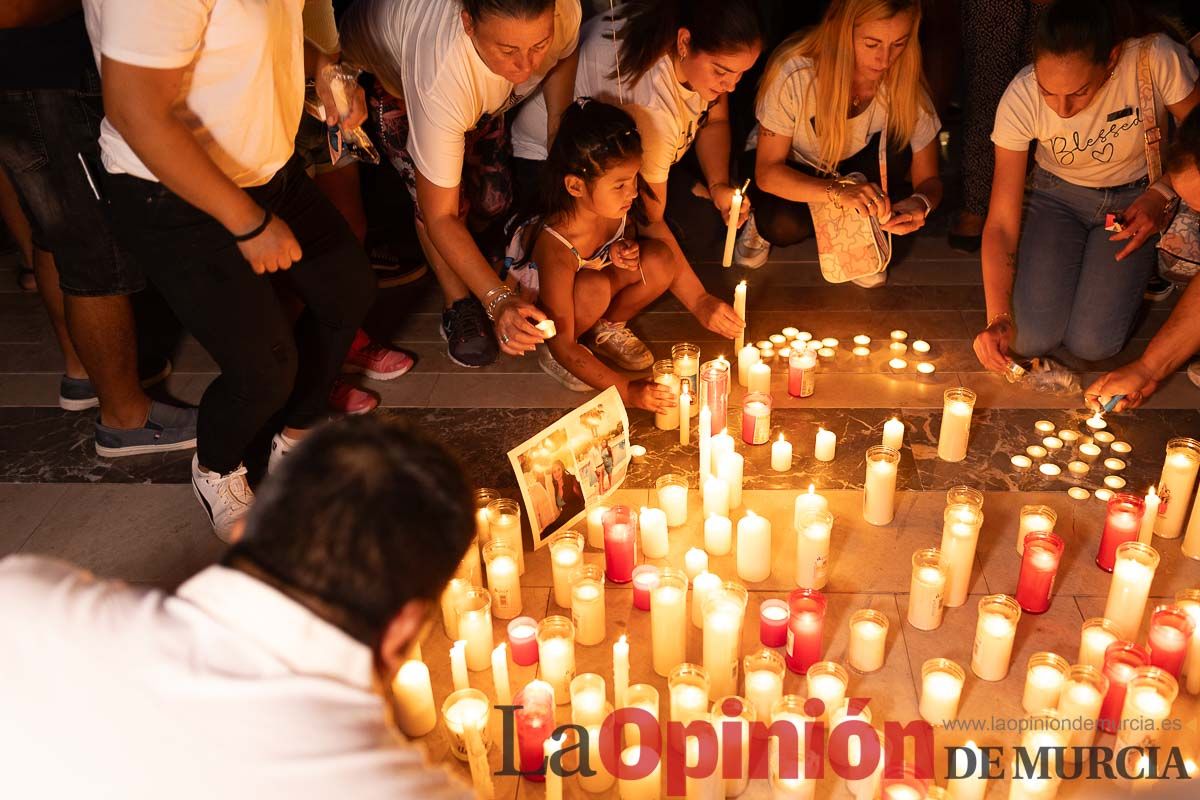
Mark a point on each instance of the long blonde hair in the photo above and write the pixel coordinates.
(830, 46)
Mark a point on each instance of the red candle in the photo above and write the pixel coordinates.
(645, 578)
(773, 623)
(1170, 630)
(806, 621)
(620, 543)
(535, 723)
(1123, 523)
(522, 640)
(1039, 565)
(1120, 661)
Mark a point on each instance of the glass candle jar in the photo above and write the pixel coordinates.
(1189, 601)
(595, 525)
(773, 623)
(462, 709)
(1149, 696)
(587, 604)
(879, 491)
(566, 554)
(504, 524)
(927, 589)
(724, 616)
(1044, 680)
(1121, 524)
(620, 543)
(1133, 572)
(812, 549)
(806, 623)
(475, 627)
(522, 641)
(455, 590)
(994, 634)
(663, 372)
(588, 698)
(868, 640)
(1095, 635)
(764, 680)
(688, 688)
(1171, 629)
(788, 767)
(714, 393)
(941, 689)
(686, 360)
(1034, 519)
(1080, 701)
(958, 406)
(645, 578)
(534, 719)
(503, 575)
(1039, 566)
(960, 536)
(802, 373)
(1121, 660)
(1175, 485)
(672, 491)
(827, 681)
(732, 717)
(668, 620)
(965, 495)
(643, 697)
(556, 655)
(756, 418)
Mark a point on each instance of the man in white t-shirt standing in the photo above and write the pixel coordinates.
(203, 99)
(262, 677)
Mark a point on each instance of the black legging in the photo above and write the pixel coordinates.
(786, 222)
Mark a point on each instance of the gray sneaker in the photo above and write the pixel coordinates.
(612, 340)
(751, 250)
(167, 428)
(560, 373)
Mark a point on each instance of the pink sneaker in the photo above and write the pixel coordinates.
(346, 398)
(375, 360)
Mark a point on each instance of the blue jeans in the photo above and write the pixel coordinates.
(1070, 290)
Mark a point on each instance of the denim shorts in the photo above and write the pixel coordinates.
(47, 136)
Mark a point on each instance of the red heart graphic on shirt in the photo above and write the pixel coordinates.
(1104, 155)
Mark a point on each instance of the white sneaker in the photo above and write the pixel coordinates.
(618, 344)
(225, 498)
(280, 446)
(751, 249)
(871, 281)
(560, 373)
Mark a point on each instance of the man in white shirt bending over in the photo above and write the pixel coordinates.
(261, 677)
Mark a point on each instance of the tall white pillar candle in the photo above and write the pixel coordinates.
(566, 554)
(685, 414)
(1150, 517)
(595, 526)
(722, 443)
(458, 665)
(416, 714)
(956, 424)
(994, 634)
(620, 670)
(731, 229)
(587, 604)
(739, 308)
(893, 433)
(653, 523)
(668, 621)
(554, 780)
(705, 433)
(826, 445)
(718, 535)
(702, 585)
(748, 356)
(716, 497)
(753, 548)
(927, 589)
(808, 503)
(724, 614)
(455, 590)
(760, 378)
(812, 551)
(500, 674)
(729, 469)
(1132, 575)
(475, 628)
(879, 491)
(960, 536)
(556, 656)
(1175, 486)
(695, 561)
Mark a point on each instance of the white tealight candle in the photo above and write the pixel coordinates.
(829, 341)
(1104, 495)
(899, 336)
(1078, 468)
(1121, 448)
(1089, 452)
(862, 340)
(1044, 426)
(1021, 462)
(826, 445)
(827, 352)
(861, 351)
(1050, 470)
(1052, 443)
(1096, 422)
(718, 534)
(1078, 493)
(804, 336)
(781, 455)
(1114, 481)
(898, 364)
(790, 332)
(920, 346)
(898, 348)
(777, 339)
(1114, 464)
(926, 368)
(1036, 451)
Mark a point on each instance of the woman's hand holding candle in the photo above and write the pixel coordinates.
(626, 254)
(649, 396)
(718, 316)
(722, 197)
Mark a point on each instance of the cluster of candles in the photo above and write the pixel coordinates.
(1081, 452)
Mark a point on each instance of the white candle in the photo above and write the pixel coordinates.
(722, 643)
(477, 759)
(689, 702)
(1178, 477)
(718, 535)
(739, 308)
(1043, 684)
(760, 378)
(566, 554)
(1189, 601)
(941, 690)
(620, 670)
(588, 699)
(686, 360)
(1095, 636)
(506, 527)
(731, 229)
(695, 561)
(731, 730)
(458, 666)
(1146, 534)
(672, 499)
(868, 641)
(960, 536)
(644, 788)
(556, 665)
(1034, 519)
(475, 628)
(926, 593)
(748, 356)
(705, 432)
(1191, 540)
(685, 414)
(879, 492)
(971, 787)
(416, 714)
(668, 419)
(807, 504)
(753, 548)
(956, 424)
(1145, 710)
(500, 674)
(595, 527)
(729, 469)
(702, 584)
(893, 434)
(992, 651)
(781, 455)
(587, 607)
(1127, 593)
(653, 524)
(1081, 701)
(826, 446)
(554, 781)
(668, 621)
(764, 687)
(716, 497)
(722, 443)
(827, 682)
(505, 585)
(455, 591)
(812, 550)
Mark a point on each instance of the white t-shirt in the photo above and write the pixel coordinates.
(226, 689)
(667, 113)
(447, 87)
(244, 78)
(789, 103)
(1102, 145)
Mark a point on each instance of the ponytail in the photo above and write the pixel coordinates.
(1094, 28)
(651, 27)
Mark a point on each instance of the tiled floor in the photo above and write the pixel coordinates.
(136, 519)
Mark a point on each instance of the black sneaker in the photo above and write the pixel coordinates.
(392, 270)
(1158, 288)
(78, 394)
(470, 341)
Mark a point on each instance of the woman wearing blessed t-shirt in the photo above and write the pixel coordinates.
(671, 64)
(863, 59)
(445, 72)
(1071, 283)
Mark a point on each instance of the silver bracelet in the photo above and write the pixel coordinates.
(495, 297)
(925, 200)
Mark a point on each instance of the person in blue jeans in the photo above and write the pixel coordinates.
(1065, 282)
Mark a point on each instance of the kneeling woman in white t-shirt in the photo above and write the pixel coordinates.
(1071, 283)
(825, 99)
(671, 64)
(445, 72)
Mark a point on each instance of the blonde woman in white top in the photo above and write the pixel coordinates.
(826, 96)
